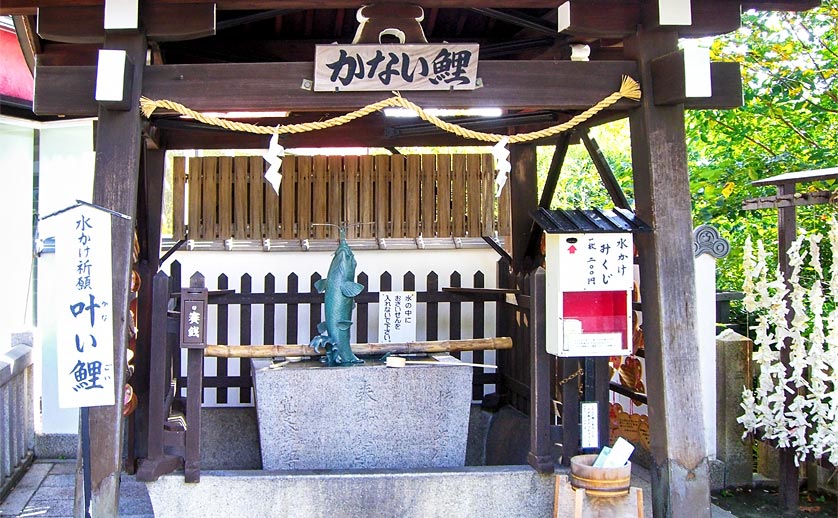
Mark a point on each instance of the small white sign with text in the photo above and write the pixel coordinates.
(397, 316)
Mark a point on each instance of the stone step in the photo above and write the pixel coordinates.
(486, 492)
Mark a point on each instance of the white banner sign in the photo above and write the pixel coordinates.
(397, 316)
(395, 67)
(83, 295)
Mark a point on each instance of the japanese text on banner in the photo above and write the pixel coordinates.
(597, 262)
(395, 67)
(397, 316)
(85, 328)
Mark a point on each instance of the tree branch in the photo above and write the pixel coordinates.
(750, 139)
(791, 126)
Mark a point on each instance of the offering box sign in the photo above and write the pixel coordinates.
(589, 282)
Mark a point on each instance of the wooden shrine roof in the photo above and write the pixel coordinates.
(812, 175)
(287, 30)
(266, 46)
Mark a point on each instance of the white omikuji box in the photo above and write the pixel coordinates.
(589, 280)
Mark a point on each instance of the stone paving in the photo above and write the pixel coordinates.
(48, 488)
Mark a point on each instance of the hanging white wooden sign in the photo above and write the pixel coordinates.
(83, 293)
(367, 67)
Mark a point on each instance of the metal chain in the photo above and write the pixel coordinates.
(575, 374)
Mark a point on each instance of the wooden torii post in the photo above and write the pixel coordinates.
(786, 202)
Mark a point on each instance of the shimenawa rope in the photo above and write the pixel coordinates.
(629, 89)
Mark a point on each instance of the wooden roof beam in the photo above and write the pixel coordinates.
(621, 18)
(271, 86)
(669, 84)
(86, 24)
(768, 5)
(520, 19)
(29, 7)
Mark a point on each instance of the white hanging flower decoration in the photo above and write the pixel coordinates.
(809, 423)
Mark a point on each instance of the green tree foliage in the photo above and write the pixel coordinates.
(579, 184)
(789, 122)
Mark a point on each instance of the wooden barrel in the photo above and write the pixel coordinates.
(603, 482)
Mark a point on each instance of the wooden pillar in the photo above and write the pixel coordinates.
(789, 473)
(680, 481)
(150, 209)
(115, 187)
(524, 198)
(540, 455)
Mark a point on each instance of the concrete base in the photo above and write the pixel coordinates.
(508, 492)
(508, 439)
(363, 417)
(229, 438)
(56, 445)
(718, 474)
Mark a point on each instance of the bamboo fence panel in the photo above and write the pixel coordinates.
(195, 191)
(336, 178)
(319, 196)
(240, 188)
(382, 197)
(225, 196)
(272, 204)
(487, 195)
(458, 196)
(352, 184)
(209, 201)
(396, 197)
(288, 192)
(366, 199)
(257, 195)
(413, 169)
(179, 197)
(304, 180)
(473, 195)
(429, 199)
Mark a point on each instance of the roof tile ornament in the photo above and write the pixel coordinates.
(706, 240)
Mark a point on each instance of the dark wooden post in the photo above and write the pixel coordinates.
(524, 197)
(115, 183)
(540, 456)
(786, 234)
(569, 387)
(157, 460)
(193, 332)
(680, 481)
(148, 231)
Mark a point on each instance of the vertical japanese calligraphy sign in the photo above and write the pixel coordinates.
(397, 316)
(395, 67)
(193, 318)
(83, 291)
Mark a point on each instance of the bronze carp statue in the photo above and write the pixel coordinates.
(340, 291)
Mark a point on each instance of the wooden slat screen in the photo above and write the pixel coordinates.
(392, 196)
(234, 373)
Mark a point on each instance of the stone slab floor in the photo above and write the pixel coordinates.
(48, 487)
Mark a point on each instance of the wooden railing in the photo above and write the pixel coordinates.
(390, 196)
(17, 421)
(435, 299)
(175, 414)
